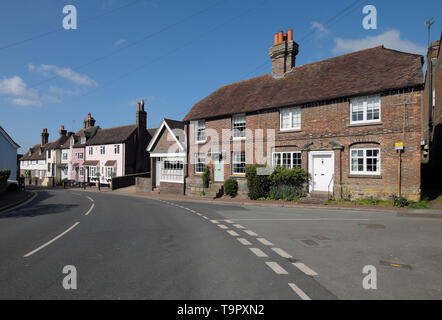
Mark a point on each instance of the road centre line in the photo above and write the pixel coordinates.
(299, 292)
(90, 209)
(51, 241)
(222, 226)
(232, 233)
(90, 198)
(301, 266)
(214, 221)
(307, 219)
(229, 221)
(258, 252)
(276, 268)
(250, 233)
(282, 253)
(238, 226)
(264, 241)
(244, 241)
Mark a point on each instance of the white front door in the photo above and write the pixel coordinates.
(219, 168)
(158, 172)
(321, 170)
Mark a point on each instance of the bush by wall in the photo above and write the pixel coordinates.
(5, 173)
(231, 187)
(206, 177)
(258, 185)
(289, 177)
(285, 193)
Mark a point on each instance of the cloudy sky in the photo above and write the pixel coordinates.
(172, 53)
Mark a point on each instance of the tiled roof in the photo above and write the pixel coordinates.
(88, 133)
(362, 72)
(174, 124)
(34, 153)
(112, 135)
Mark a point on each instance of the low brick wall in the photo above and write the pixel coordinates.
(172, 188)
(357, 191)
(143, 185)
(128, 180)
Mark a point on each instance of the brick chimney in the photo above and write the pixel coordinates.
(283, 53)
(44, 136)
(88, 122)
(142, 159)
(62, 131)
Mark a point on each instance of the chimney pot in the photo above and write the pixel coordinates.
(139, 106)
(88, 115)
(280, 36)
(290, 35)
(62, 127)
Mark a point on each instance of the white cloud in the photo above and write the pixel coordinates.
(119, 42)
(25, 102)
(66, 73)
(390, 39)
(60, 91)
(321, 31)
(15, 86)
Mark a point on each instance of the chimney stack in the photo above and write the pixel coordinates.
(283, 53)
(62, 131)
(141, 154)
(44, 137)
(88, 122)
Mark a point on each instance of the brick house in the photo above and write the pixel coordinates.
(168, 155)
(34, 159)
(432, 115)
(339, 119)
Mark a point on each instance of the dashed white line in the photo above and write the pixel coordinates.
(51, 241)
(205, 217)
(244, 241)
(276, 268)
(222, 226)
(90, 198)
(238, 226)
(258, 252)
(250, 233)
(232, 233)
(282, 253)
(299, 292)
(214, 221)
(264, 241)
(305, 269)
(90, 209)
(229, 221)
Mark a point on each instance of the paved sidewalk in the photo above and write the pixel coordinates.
(13, 199)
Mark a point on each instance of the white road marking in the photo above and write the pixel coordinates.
(214, 221)
(198, 214)
(238, 226)
(305, 219)
(90, 198)
(264, 242)
(258, 252)
(232, 233)
(299, 292)
(90, 209)
(250, 233)
(229, 221)
(205, 217)
(222, 226)
(276, 268)
(282, 253)
(51, 241)
(305, 269)
(244, 241)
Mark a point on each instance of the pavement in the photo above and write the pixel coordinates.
(126, 247)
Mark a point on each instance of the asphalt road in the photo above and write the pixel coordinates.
(137, 248)
(127, 247)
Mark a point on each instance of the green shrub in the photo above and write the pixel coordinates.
(419, 205)
(296, 177)
(285, 193)
(206, 177)
(399, 201)
(231, 187)
(258, 185)
(371, 201)
(202, 193)
(5, 173)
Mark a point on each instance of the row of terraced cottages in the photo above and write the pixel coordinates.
(90, 155)
(341, 119)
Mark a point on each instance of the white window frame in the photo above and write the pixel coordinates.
(116, 149)
(102, 149)
(292, 158)
(293, 126)
(95, 171)
(200, 126)
(108, 171)
(235, 162)
(365, 102)
(238, 120)
(173, 171)
(65, 156)
(81, 171)
(197, 156)
(80, 156)
(365, 172)
(91, 151)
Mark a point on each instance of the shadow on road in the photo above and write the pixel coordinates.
(37, 208)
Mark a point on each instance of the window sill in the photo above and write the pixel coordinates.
(238, 175)
(200, 142)
(289, 130)
(365, 124)
(365, 176)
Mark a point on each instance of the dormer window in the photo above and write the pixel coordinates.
(83, 140)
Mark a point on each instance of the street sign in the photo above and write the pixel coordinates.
(399, 146)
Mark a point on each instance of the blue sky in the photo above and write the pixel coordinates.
(173, 53)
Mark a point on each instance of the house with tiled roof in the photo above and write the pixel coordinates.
(118, 151)
(34, 160)
(341, 119)
(8, 152)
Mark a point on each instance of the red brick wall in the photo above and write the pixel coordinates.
(171, 188)
(327, 122)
